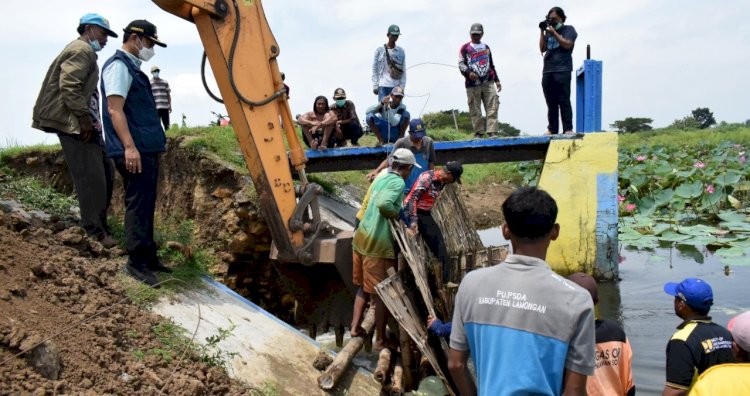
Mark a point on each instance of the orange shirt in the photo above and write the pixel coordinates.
(614, 358)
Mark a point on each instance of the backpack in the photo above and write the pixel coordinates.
(394, 68)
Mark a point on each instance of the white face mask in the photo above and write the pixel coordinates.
(145, 54)
(155, 74)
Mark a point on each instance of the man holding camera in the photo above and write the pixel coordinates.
(556, 41)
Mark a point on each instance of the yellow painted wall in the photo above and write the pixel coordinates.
(570, 176)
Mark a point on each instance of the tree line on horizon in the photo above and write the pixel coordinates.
(700, 118)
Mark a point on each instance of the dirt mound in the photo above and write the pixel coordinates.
(484, 204)
(61, 301)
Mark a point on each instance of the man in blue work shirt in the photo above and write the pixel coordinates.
(421, 145)
(529, 330)
(135, 139)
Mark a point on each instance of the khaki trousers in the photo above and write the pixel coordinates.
(487, 94)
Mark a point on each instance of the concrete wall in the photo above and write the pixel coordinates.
(581, 174)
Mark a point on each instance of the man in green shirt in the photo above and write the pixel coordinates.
(373, 250)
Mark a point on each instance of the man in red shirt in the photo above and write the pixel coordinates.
(418, 204)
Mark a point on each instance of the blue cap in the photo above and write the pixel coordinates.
(417, 129)
(98, 20)
(693, 291)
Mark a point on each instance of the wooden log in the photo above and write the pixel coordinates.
(395, 298)
(339, 331)
(383, 366)
(406, 361)
(397, 386)
(328, 379)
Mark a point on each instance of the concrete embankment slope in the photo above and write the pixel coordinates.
(270, 353)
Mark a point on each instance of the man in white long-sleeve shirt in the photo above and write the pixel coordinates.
(388, 65)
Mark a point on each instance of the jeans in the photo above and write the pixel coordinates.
(556, 87)
(389, 133)
(91, 172)
(140, 204)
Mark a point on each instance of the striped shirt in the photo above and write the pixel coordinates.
(161, 91)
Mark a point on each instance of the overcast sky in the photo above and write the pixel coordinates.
(661, 58)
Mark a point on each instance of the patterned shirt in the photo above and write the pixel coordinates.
(477, 58)
(424, 193)
(161, 91)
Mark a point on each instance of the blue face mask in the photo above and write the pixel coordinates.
(340, 102)
(558, 26)
(95, 45)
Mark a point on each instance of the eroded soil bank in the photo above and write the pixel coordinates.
(54, 279)
(62, 290)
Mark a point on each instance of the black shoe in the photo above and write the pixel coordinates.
(159, 267)
(144, 276)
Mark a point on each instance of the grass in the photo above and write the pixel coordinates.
(33, 194)
(188, 265)
(174, 339)
(12, 151)
(676, 137)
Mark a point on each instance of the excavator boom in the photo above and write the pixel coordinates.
(242, 52)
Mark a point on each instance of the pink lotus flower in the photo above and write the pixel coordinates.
(640, 158)
(710, 189)
(621, 198)
(737, 145)
(630, 207)
(699, 165)
(742, 159)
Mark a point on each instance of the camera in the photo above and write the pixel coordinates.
(544, 24)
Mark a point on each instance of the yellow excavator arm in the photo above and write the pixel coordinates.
(242, 52)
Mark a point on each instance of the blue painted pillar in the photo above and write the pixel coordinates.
(589, 96)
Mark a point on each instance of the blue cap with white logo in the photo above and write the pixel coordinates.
(693, 291)
(98, 20)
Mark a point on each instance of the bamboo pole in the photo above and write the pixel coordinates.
(328, 379)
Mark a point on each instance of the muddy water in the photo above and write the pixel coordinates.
(640, 304)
